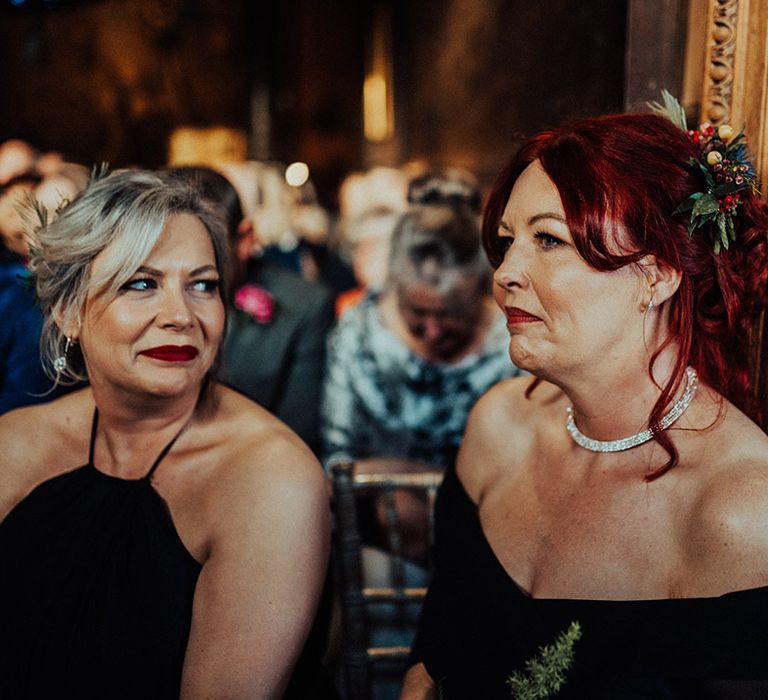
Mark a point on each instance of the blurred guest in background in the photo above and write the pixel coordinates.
(186, 556)
(23, 200)
(274, 347)
(625, 488)
(59, 186)
(17, 215)
(292, 226)
(17, 158)
(370, 204)
(22, 378)
(454, 186)
(406, 365)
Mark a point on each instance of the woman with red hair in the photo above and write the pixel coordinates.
(614, 509)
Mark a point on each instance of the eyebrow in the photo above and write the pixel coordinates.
(157, 273)
(536, 218)
(546, 215)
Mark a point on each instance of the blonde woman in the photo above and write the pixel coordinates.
(160, 535)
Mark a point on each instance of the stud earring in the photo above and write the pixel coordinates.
(60, 363)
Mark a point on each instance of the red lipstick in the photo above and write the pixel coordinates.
(172, 353)
(515, 315)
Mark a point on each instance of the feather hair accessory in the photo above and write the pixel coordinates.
(726, 169)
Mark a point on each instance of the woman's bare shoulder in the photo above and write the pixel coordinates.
(517, 400)
(261, 455)
(54, 426)
(41, 441)
(502, 430)
(263, 534)
(729, 520)
(248, 424)
(735, 492)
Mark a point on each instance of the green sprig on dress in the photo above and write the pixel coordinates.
(545, 673)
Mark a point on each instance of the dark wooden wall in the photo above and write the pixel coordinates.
(110, 79)
(655, 53)
(482, 75)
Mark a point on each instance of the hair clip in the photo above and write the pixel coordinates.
(724, 162)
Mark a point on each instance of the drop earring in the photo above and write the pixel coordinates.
(650, 306)
(60, 363)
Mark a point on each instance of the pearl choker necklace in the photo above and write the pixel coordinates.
(634, 440)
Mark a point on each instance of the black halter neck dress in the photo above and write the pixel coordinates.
(96, 592)
(96, 589)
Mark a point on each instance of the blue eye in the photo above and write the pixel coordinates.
(547, 240)
(208, 286)
(141, 284)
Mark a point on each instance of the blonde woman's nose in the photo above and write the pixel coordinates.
(175, 311)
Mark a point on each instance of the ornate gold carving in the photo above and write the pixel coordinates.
(720, 61)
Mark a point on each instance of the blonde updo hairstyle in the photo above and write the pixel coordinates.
(126, 213)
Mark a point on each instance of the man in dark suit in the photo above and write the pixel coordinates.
(277, 322)
(278, 359)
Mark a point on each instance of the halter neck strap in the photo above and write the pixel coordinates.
(94, 428)
(165, 451)
(155, 464)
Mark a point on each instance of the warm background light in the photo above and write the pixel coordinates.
(378, 86)
(296, 174)
(377, 126)
(210, 146)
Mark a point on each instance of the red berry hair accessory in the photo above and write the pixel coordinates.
(724, 162)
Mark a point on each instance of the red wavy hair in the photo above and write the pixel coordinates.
(630, 172)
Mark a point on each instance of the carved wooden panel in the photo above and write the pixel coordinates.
(735, 83)
(735, 90)
(723, 30)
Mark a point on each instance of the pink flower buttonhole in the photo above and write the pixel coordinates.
(256, 301)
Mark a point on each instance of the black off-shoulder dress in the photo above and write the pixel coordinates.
(96, 592)
(478, 627)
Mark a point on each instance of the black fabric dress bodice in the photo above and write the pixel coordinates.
(96, 591)
(478, 627)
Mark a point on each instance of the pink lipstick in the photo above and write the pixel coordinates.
(171, 353)
(515, 315)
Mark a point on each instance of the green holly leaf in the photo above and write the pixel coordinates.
(721, 225)
(722, 230)
(687, 204)
(706, 172)
(729, 188)
(706, 204)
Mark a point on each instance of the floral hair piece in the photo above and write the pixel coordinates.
(724, 162)
(35, 216)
